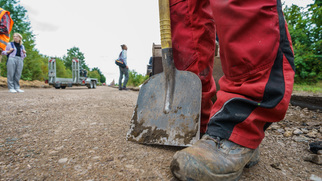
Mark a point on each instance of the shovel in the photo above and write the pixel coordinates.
(168, 106)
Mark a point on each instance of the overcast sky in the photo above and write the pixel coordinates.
(98, 28)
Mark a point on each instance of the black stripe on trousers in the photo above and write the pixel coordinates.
(236, 110)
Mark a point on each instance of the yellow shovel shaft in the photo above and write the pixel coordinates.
(165, 24)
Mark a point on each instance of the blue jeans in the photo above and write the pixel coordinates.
(123, 71)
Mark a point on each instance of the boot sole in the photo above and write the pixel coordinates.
(254, 160)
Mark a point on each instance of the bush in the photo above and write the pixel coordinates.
(304, 25)
(136, 79)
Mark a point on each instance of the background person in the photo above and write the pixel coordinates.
(123, 71)
(17, 53)
(6, 24)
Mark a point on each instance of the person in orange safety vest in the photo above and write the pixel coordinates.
(6, 24)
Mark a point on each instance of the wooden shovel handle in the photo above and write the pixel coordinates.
(165, 24)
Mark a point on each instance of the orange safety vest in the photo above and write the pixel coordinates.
(4, 38)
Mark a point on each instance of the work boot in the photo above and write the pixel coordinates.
(213, 159)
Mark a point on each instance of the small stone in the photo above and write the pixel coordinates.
(17, 151)
(276, 165)
(109, 159)
(281, 130)
(317, 159)
(20, 111)
(312, 134)
(78, 167)
(294, 144)
(53, 152)
(63, 160)
(25, 135)
(304, 130)
(288, 129)
(304, 124)
(319, 152)
(96, 158)
(315, 178)
(300, 138)
(59, 148)
(281, 144)
(297, 132)
(129, 166)
(288, 133)
(274, 127)
(297, 108)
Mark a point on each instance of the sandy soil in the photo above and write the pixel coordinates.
(79, 134)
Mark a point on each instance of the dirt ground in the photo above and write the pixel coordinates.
(79, 134)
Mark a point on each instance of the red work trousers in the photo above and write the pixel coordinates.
(256, 56)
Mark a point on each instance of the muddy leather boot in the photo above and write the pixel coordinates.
(213, 159)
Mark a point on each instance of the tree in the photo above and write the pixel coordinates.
(74, 52)
(102, 78)
(304, 25)
(61, 70)
(94, 74)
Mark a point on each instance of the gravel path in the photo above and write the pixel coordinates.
(79, 134)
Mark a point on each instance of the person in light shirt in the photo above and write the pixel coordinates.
(16, 53)
(123, 71)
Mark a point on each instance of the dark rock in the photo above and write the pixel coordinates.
(315, 146)
(317, 159)
(276, 165)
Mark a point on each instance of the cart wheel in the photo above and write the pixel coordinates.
(94, 84)
(57, 87)
(63, 87)
(90, 85)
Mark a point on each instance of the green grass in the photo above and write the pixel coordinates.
(317, 88)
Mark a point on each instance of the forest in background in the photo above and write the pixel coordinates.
(304, 24)
(36, 64)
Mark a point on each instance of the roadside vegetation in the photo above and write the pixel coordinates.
(136, 79)
(315, 88)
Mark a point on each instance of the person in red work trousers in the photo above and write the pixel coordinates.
(258, 64)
